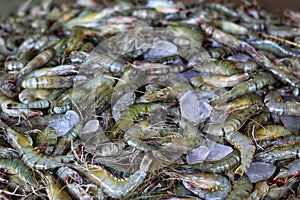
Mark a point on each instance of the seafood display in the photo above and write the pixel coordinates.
(149, 99)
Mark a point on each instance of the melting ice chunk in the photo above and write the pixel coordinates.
(122, 103)
(197, 155)
(161, 48)
(218, 151)
(210, 151)
(194, 108)
(259, 171)
(64, 124)
(90, 126)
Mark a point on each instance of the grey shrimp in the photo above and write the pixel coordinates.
(50, 82)
(232, 123)
(31, 95)
(115, 187)
(218, 67)
(29, 154)
(261, 59)
(205, 185)
(221, 81)
(22, 112)
(272, 101)
(240, 103)
(20, 62)
(73, 180)
(59, 70)
(271, 132)
(17, 167)
(221, 166)
(38, 61)
(258, 81)
(246, 147)
(279, 153)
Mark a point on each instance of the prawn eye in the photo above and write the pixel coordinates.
(237, 176)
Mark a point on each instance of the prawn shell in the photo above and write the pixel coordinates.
(271, 132)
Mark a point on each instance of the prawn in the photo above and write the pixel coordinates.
(205, 185)
(275, 106)
(115, 187)
(30, 156)
(221, 166)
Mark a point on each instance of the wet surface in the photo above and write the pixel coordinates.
(125, 133)
(271, 5)
(7, 7)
